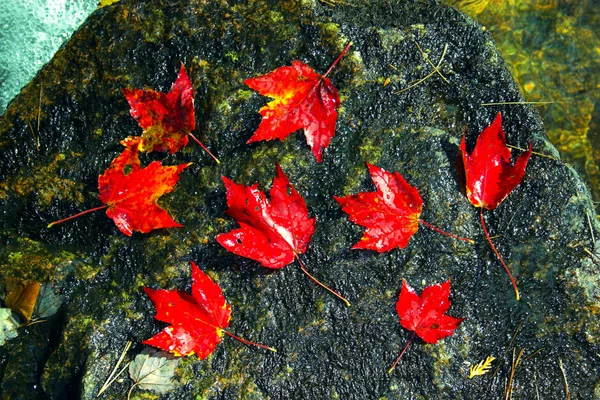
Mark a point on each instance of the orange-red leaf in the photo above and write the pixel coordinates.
(131, 192)
(489, 175)
(167, 118)
(303, 99)
(196, 321)
(425, 315)
(391, 214)
(271, 232)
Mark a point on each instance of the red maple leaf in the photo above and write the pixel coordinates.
(391, 214)
(271, 232)
(303, 99)
(197, 321)
(131, 193)
(489, 175)
(166, 118)
(425, 315)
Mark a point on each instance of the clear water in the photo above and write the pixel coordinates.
(552, 49)
(31, 31)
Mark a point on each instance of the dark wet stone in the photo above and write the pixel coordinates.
(325, 350)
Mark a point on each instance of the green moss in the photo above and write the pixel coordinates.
(29, 259)
(45, 183)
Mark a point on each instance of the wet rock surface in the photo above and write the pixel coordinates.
(325, 350)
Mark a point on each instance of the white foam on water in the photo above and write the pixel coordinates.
(31, 31)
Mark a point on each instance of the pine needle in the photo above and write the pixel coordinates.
(482, 368)
(508, 391)
(436, 70)
(565, 384)
(533, 152)
(539, 103)
(111, 378)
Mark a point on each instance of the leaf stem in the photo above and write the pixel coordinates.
(401, 354)
(131, 389)
(50, 225)
(312, 278)
(204, 148)
(427, 224)
(337, 60)
(487, 236)
(249, 343)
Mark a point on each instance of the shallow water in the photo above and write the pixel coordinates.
(552, 49)
(31, 32)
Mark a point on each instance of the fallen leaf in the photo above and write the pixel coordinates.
(153, 370)
(131, 193)
(482, 368)
(21, 297)
(391, 214)
(490, 177)
(8, 326)
(271, 232)
(425, 315)
(197, 321)
(303, 99)
(132, 196)
(48, 301)
(166, 118)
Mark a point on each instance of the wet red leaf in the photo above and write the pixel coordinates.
(197, 321)
(425, 315)
(489, 175)
(167, 118)
(131, 192)
(302, 99)
(271, 232)
(391, 214)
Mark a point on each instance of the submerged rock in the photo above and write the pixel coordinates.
(325, 349)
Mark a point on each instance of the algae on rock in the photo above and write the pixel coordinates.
(543, 226)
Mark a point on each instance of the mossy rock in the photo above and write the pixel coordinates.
(325, 349)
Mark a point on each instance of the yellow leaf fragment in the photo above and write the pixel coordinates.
(482, 368)
(104, 3)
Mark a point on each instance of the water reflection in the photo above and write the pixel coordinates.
(552, 49)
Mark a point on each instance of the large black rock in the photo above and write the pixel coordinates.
(325, 350)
